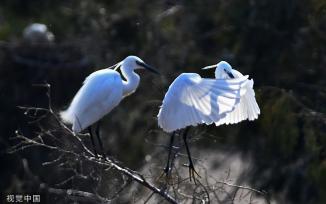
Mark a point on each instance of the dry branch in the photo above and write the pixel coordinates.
(82, 153)
(74, 151)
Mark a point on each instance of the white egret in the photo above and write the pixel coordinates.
(192, 100)
(101, 92)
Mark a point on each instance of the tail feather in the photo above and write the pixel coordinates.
(66, 116)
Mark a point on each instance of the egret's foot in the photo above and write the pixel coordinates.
(192, 172)
(165, 175)
(167, 170)
(96, 155)
(104, 157)
(101, 156)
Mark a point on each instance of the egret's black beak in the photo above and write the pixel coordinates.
(229, 74)
(146, 66)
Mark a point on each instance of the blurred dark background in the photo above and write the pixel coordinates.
(280, 44)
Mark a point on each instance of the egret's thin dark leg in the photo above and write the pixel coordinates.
(97, 132)
(167, 168)
(185, 133)
(92, 139)
(192, 170)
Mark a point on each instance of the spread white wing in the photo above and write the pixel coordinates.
(100, 93)
(192, 100)
(246, 109)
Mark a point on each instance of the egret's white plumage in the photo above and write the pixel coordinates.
(248, 107)
(192, 100)
(101, 92)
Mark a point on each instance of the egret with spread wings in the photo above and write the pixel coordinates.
(102, 91)
(192, 100)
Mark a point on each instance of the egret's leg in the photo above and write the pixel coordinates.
(192, 170)
(167, 168)
(97, 132)
(92, 139)
(185, 133)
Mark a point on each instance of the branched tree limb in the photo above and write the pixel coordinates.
(73, 155)
(82, 153)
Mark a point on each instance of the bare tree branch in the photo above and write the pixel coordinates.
(73, 155)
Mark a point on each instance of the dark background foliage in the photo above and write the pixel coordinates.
(280, 44)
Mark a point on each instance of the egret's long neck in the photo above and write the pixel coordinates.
(132, 80)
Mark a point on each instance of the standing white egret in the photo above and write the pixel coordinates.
(192, 100)
(101, 92)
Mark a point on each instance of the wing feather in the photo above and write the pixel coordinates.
(100, 93)
(191, 100)
(246, 109)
